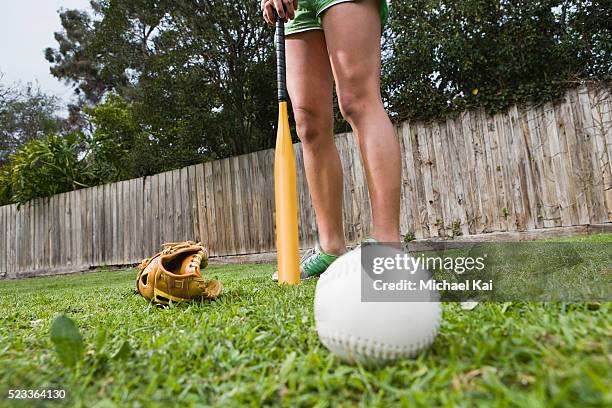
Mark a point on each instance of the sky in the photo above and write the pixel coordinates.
(26, 29)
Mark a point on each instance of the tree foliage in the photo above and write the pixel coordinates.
(25, 114)
(200, 74)
(116, 141)
(43, 167)
(75, 61)
(444, 56)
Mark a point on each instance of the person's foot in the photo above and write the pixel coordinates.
(313, 263)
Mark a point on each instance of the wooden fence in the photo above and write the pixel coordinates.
(526, 169)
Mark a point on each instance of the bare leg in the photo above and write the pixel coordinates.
(352, 33)
(309, 82)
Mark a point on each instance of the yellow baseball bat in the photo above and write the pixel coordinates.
(285, 188)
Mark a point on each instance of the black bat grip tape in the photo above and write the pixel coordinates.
(281, 75)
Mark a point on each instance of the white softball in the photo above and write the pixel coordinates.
(374, 332)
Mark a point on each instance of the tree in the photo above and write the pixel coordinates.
(75, 61)
(444, 56)
(25, 114)
(116, 141)
(200, 74)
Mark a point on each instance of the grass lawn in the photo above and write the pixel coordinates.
(257, 345)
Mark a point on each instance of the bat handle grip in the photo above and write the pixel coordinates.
(281, 75)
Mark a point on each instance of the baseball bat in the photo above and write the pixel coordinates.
(285, 187)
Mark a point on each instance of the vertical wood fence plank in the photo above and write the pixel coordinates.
(552, 200)
(18, 239)
(510, 138)
(48, 232)
(590, 130)
(476, 224)
(100, 221)
(602, 141)
(147, 220)
(10, 247)
(566, 159)
(8, 238)
(220, 208)
(33, 264)
(445, 186)
(228, 206)
(193, 203)
(32, 222)
(170, 210)
(40, 235)
(426, 164)
(98, 224)
(141, 205)
(123, 215)
(256, 202)
(69, 229)
(349, 191)
(501, 213)
(200, 184)
(410, 211)
(134, 233)
(155, 229)
(211, 215)
(303, 221)
(538, 162)
(562, 188)
(76, 233)
(188, 196)
(3, 241)
(530, 217)
(129, 196)
(108, 215)
(482, 179)
(10, 255)
(87, 219)
(136, 194)
(241, 224)
(60, 231)
(583, 146)
(461, 205)
(164, 201)
(505, 212)
(579, 164)
(185, 208)
(116, 239)
(178, 233)
(251, 200)
(53, 239)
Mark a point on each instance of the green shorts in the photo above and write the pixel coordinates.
(308, 15)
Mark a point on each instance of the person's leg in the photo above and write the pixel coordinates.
(309, 82)
(352, 33)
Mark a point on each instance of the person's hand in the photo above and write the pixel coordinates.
(285, 9)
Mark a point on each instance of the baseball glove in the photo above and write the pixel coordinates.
(175, 274)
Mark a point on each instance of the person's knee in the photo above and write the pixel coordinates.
(313, 128)
(355, 101)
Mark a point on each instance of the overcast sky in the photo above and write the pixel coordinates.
(26, 29)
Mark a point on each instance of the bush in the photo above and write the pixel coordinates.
(43, 167)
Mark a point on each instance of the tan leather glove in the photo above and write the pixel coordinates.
(175, 274)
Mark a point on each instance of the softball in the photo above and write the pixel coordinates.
(369, 332)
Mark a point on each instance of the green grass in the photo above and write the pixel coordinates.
(257, 345)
